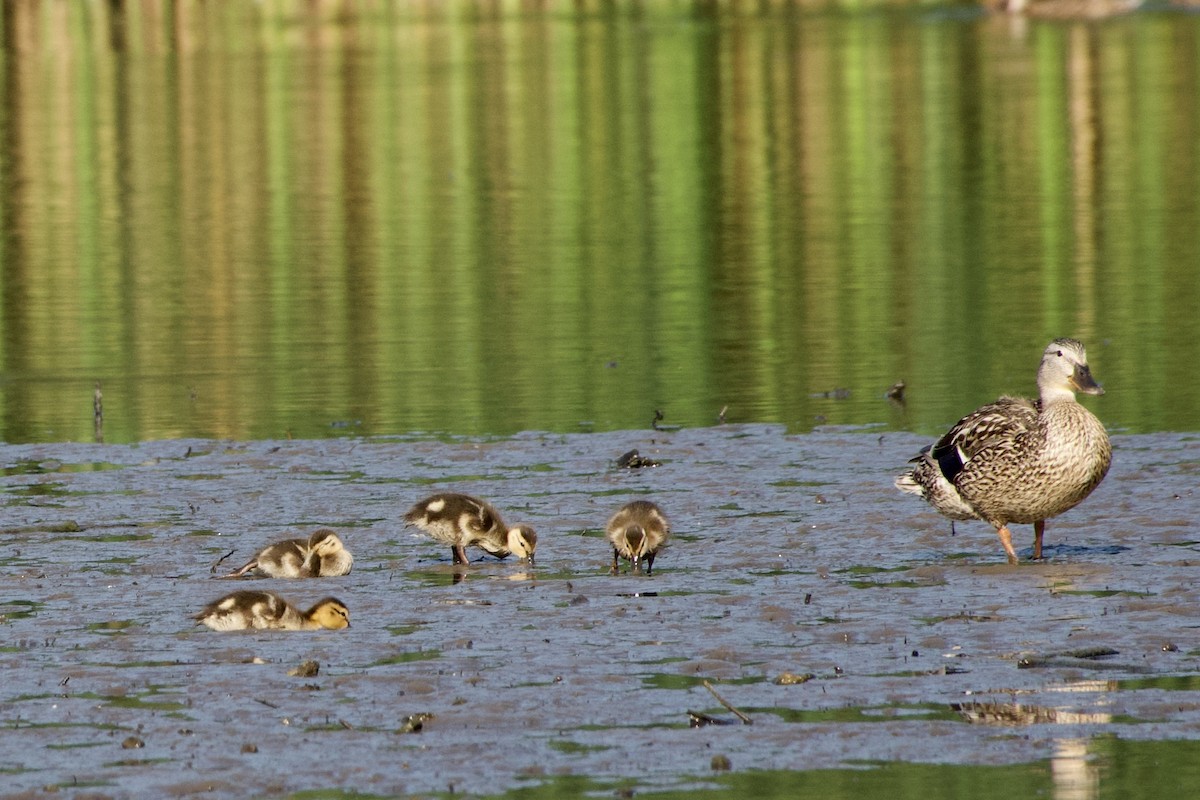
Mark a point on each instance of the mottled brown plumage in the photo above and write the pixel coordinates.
(460, 520)
(1019, 461)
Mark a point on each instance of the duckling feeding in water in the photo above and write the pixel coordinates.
(1019, 461)
(267, 610)
(460, 520)
(638, 531)
(320, 555)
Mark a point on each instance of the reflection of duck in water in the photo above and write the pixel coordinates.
(267, 610)
(320, 555)
(460, 520)
(638, 531)
(1064, 9)
(1019, 461)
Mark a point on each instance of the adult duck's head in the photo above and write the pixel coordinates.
(1064, 371)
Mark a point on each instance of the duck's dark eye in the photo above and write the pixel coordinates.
(1060, 353)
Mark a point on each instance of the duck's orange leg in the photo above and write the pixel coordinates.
(1039, 528)
(1006, 540)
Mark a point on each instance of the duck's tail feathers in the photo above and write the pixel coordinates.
(908, 483)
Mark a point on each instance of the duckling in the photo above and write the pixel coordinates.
(245, 609)
(320, 555)
(1016, 460)
(460, 520)
(638, 531)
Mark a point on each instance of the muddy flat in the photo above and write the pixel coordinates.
(840, 617)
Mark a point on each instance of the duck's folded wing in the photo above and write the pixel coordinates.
(989, 426)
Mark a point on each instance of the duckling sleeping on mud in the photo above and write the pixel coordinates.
(320, 555)
(639, 530)
(268, 611)
(460, 520)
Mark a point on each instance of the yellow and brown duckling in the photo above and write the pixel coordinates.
(638, 531)
(460, 520)
(267, 610)
(320, 555)
(1016, 460)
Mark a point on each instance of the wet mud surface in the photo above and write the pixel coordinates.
(791, 554)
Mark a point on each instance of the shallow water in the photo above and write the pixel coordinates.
(793, 554)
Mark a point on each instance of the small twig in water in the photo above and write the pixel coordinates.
(213, 568)
(745, 719)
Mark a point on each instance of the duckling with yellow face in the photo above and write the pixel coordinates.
(268, 611)
(638, 531)
(320, 555)
(460, 520)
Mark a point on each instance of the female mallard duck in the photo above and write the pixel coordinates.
(638, 531)
(1019, 461)
(320, 555)
(267, 610)
(460, 520)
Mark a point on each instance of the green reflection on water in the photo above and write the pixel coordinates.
(271, 219)
(1107, 769)
(887, 780)
(1113, 768)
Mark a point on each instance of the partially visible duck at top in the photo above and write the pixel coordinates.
(268, 611)
(320, 555)
(1064, 9)
(638, 531)
(459, 520)
(1019, 461)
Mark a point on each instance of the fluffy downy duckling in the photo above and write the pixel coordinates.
(320, 555)
(1019, 461)
(460, 520)
(638, 531)
(267, 610)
